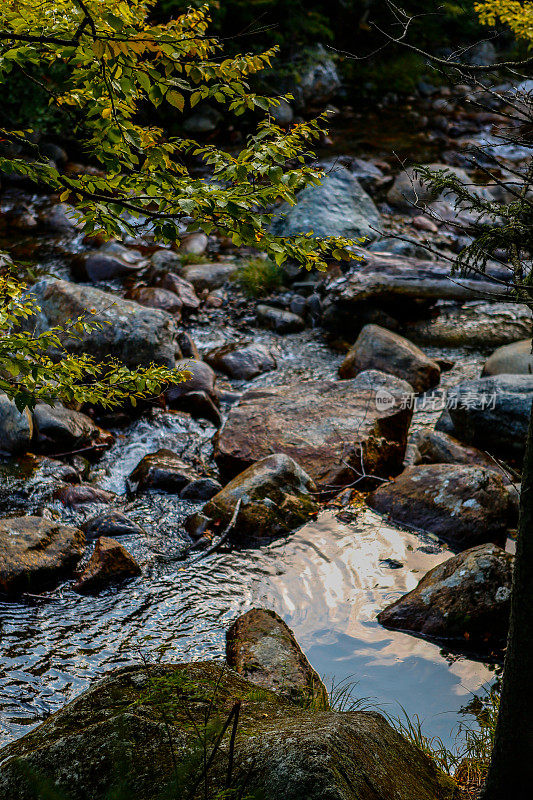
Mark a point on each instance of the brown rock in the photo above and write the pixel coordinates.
(82, 494)
(378, 348)
(466, 598)
(263, 649)
(155, 297)
(36, 552)
(241, 360)
(109, 562)
(57, 427)
(163, 470)
(182, 288)
(465, 505)
(436, 447)
(329, 428)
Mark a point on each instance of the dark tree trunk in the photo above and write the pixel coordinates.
(511, 770)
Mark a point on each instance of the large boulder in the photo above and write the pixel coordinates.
(60, 427)
(476, 324)
(511, 359)
(466, 599)
(492, 413)
(378, 348)
(315, 78)
(463, 505)
(110, 562)
(261, 647)
(241, 360)
(284, 751)
(36, 553)
(132, 333)
(338, 207)
(16, 428)
(275, 494)
(335, 430)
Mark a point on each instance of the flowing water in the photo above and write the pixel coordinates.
(328, 581)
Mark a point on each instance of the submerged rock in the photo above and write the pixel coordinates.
(261, 647)
(466, 599)
(286, 751)
(60, 427)
(275, 495)
(163, 470)
(241, 360)
(338, 207)
(16, 428)
(465, 505)
(331, 428)
(36, 553)
(109, 563)
(132, 333)
(511, 359)
(378, 348)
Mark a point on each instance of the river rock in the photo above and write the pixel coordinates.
(57, 427)
(276, 497)
(476, 324)
(209, 276)
(110, 524)
(261, 647)
(464, 505)
(200, 490)
(110, 562)
(183, 289)
(132, 333)
(466, 599)
(378, 348)
(82, 494)
(163, 470)
(155, 297)
(511, 359)
(316, 78)
(328, 427)
(108, 263)
(166, 260)
(241, 360)
(16, 428)
(338, 207)
(197, 394)
(36, 553)
(278, 320)
(408, 192)
(392, 282)
(295, 754)
(492, 413)
(436, 447)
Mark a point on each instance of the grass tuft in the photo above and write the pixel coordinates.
(259, 277)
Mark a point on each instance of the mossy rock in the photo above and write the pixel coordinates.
(138, 727)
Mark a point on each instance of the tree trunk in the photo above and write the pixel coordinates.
(511, 769)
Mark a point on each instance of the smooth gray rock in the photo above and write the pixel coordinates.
(16, 428)
(492, 413)
(338, 207)
(278, 320)
(511, 359)
(132, 333)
